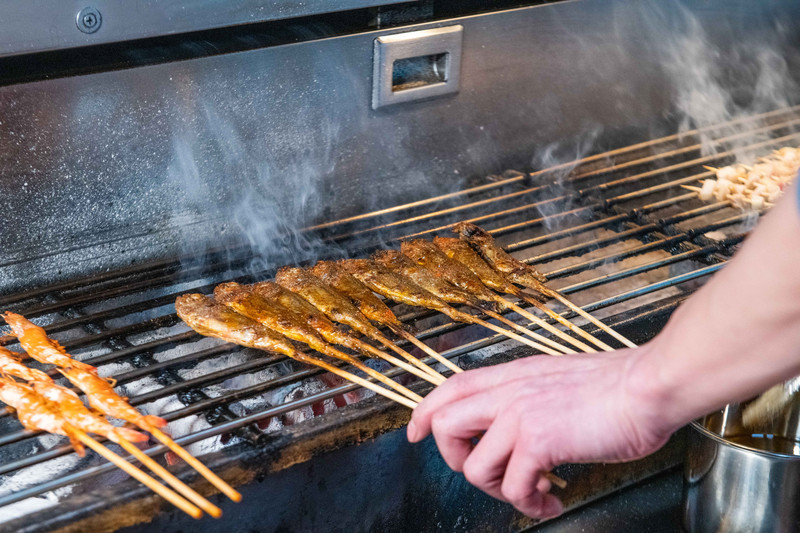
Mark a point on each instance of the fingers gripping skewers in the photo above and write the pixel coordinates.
(402, 265)
(246, 301)
(521, 273)
(400, 289)
(371, 306)
(462, 252)
(209, 318)
(35, 342)
(337, 307)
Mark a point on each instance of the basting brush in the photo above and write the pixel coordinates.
(767, 407)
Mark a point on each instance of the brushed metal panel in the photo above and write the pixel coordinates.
(34, 26)
(100, 170)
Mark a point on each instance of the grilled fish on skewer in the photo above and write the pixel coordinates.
(35, 412)
(35, 342)
(371, 306)
(10, 365)
(484, 244)
(522, 273)
(327, 329)
(212, 319)
(338, 307)
(272, 314)
(462, 252)
(401, 264)
(103, 398)
(400, 289)
(74, 412)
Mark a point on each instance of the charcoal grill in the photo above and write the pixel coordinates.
(115, 161)
(621, 238)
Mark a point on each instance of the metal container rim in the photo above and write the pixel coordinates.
(700, 428)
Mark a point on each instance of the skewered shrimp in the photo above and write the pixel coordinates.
(10, 365)
(102, 397)
(73, 410)
(36, 343)
(36, 412)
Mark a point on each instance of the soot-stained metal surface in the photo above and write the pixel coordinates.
(101, 170)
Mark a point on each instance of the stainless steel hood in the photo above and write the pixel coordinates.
(42, 25)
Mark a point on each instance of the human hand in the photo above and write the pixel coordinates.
(537, 413)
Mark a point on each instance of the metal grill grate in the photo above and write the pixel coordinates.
(612, 230)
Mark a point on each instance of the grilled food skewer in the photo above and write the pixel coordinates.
(400, 264)
(246, 301)
(430, 256)
(80, 417)
(36, 412)
(313, 317)
(212, 319)
(11, 366)
(338, 308)
(140, 476)
(102, 397)
(462, 252)
(39, 346)
(371, 306)
(400, 289)
(522, 273)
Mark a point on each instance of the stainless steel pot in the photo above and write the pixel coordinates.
(740, 481)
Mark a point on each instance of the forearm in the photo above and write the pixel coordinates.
(739, 334)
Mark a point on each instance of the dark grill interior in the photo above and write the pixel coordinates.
(615, 231)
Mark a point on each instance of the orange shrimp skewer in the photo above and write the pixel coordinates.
(10, 365)
(36, 412)
(102, 397)
(35, 341)
(81, 417)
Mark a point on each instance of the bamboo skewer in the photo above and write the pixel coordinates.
(561, 320)
(202, 469)
(173, 481)
(427, 349)
(464, 317)
(555, 480)
(549, 350)
(439, 379)
(137, 474)
(355, 379)
(330, 351)
(547, 291)
(436, 379)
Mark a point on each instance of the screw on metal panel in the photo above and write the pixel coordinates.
(88, 20)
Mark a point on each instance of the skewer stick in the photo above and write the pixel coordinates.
(330, 351)
(563, 321)
(437, 379)
(691, 188)
(134, 472)
(550, 349)
(555, 480)
(173, 481)
(202, 469)
(427, 349)
(410, 358)
(355, 379)
(464, 317)
(558, 296)
(712, 169)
